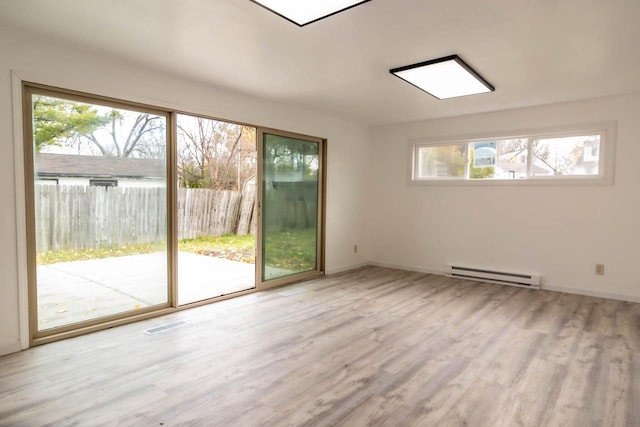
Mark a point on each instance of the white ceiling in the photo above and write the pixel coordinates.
(533, 51)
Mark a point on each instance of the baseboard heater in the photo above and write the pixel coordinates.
(493, 276)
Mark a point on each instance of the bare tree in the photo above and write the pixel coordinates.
(213, 154)
(129, 134)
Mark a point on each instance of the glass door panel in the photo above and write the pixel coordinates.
(291, 189)
(216, 165)
(99, 211)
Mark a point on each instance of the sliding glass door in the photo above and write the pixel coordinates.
(133, 210)
(291, 197)
(97, 202)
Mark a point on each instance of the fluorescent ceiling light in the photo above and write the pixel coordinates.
(443, 78)
(303, 12)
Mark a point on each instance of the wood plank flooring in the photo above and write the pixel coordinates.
(372, 347)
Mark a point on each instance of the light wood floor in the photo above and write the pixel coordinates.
(365, 348)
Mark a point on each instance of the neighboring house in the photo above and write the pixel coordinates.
(514, 165)
(589, 162)
(70, 169)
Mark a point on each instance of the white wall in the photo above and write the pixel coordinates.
(45, 61)
(560, 232)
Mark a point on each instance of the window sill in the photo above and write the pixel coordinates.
(568, 181)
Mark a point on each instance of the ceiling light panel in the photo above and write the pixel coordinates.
(303, 12)
(447, 77)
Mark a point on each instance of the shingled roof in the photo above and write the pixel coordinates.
(70, 165)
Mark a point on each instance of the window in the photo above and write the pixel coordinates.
(103, 182)
(568, 156)
(572, 155)
(442, 161)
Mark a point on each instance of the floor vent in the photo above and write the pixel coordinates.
(493, 276)
(164, 327)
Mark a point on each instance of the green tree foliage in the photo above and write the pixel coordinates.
(448, 160)
(56, 121)
(286, 155)
(94, 131)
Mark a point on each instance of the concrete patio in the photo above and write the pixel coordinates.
(71, 292)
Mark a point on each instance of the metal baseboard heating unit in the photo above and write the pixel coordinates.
(493, 276)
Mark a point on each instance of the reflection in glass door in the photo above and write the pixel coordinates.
(291, 206)
(98, 207)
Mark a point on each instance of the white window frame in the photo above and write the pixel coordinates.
(605, 176)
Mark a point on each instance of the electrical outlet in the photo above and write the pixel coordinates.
(600, 269)
(355, 249)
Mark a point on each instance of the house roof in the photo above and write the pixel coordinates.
(533, 52)
(69, 165)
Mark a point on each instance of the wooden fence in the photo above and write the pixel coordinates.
(83, 217)
(214, 213)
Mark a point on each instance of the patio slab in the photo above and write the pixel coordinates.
(77, 291)
(201, 277)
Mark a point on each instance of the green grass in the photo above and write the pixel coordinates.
(52, 257)
(293, 250)
(229, 246)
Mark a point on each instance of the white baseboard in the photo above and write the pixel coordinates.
(546, 287)
(408, 268)
(590, 293)
(329, 271)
